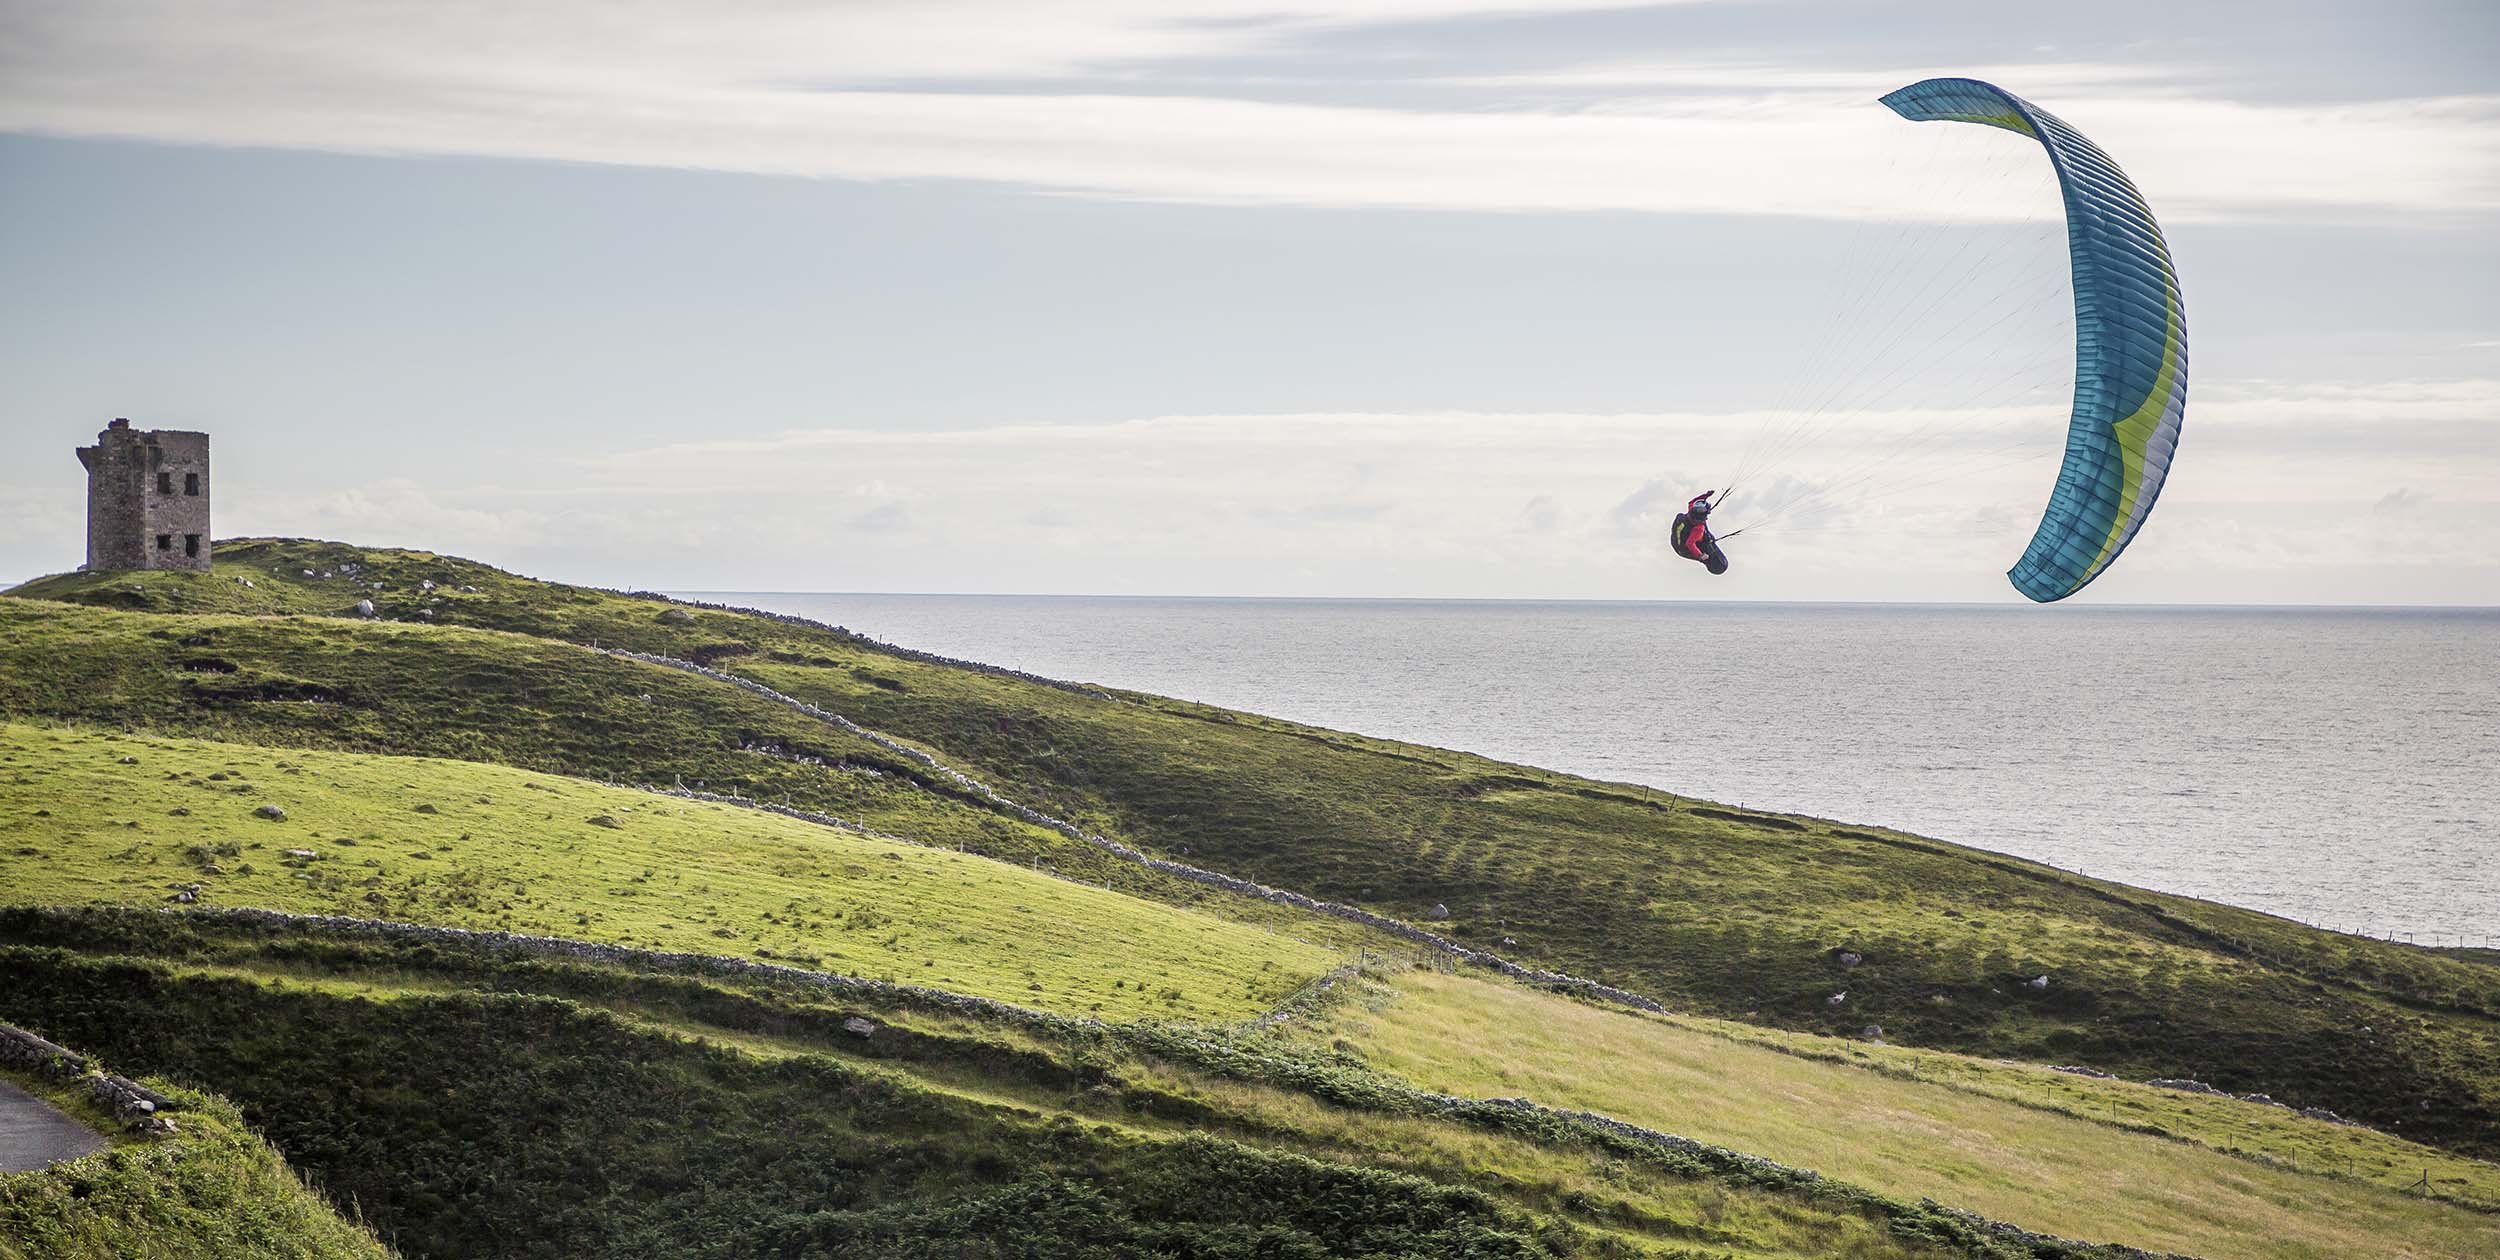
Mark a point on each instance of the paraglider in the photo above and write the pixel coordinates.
(2129, 394)
(1691, 536)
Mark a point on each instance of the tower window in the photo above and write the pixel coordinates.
(164, 542)
(190, 483)
(164, 483)
(191, 545)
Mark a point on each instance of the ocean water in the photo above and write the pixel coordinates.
(2337, 766)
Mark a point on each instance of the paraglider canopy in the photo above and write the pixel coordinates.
(2130, 342)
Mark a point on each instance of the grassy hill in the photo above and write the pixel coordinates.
(213, 1190)
(1725, 912)
(597, 1109)
(2216, 1177)
(476, 846)
(1183, 1069)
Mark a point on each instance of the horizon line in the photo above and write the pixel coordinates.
(1583, 599)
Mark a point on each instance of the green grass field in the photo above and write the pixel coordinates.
(1917, 1129)
(1722, 912)
(2272, 1135)
(444, 763)
(95, 818)
(726, 1117)
(507, 699)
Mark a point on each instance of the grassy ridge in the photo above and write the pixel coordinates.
(212, 1191)
(463, 845)
(2315, 1192)
(641, 1114)
(1728, 913)
(107, 818)
(505, 699)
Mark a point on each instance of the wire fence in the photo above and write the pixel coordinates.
(2437, 940)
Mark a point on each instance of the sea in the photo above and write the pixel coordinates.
(2336, 766)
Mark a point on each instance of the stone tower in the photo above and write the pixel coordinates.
(147, 499)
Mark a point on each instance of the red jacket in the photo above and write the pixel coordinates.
(1697, 524)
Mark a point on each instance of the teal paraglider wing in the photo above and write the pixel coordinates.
(2130, 342)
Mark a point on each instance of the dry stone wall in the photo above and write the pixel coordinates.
(135, 1105)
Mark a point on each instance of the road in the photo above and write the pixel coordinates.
(34, 1134)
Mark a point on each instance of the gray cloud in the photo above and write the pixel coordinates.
(743, 90)
(2400, 502)
(885, 518)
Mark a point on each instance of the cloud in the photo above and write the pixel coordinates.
(1859, 84)
(921, 92)
(885, 518)
(2400, 501)
(1540, 514)
(405, 510)
(1536, 504)
(1562, 503)
(1646, 510)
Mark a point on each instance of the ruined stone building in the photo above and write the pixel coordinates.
(147, 499)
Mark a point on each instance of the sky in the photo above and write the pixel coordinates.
(1423, 298)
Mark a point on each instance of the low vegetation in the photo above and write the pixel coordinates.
(2214, 1177)
(505, 699)
(213, 1190)
(626, 1113)
(1725, 912)
(415, 840)
(466, 756)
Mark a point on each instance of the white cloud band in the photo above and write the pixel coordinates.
(776, 89)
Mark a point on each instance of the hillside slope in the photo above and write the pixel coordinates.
(2221, 1178)
(211, 1189)
(1721, 911)
(940, 1024)
(98, 818)
(621, 1108)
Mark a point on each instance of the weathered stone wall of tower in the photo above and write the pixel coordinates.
(147, 499)
(116, 500)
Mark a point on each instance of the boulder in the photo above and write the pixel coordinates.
(1438, 912)
(2038, 982)
(1872, 1032)
(1849, 959)
(675, 617)
(270, 812)
(603, 820)
(364, 608)
(858, 1026)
